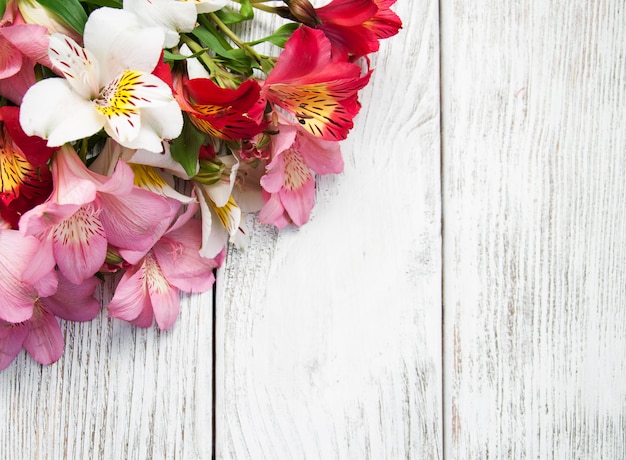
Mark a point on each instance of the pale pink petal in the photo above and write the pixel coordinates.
(31, 39)
(10, 59)
(17, 297)
(11, 340)
(273, 212)
(179, 259)
(74, 302)
(299, 202)
(137, 220)
(80, 244)
(284, 139)
(131, 301)
(44, 341)
(14, 88)
(214, 235)
(73, 182)
(274, 179)
(323, 157)
(165, 303)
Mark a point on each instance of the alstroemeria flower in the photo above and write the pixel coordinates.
(88, 211)
(289, 183)
(352, 26)
(221, 215)
(151, 171)
(40, 335)
(21, 47)
(171, 16)
(108, 84)
(229, 114)
(207, 6)
(34, 12)
(317, 89)
(20, 290)
(149, 289)
(25, 180)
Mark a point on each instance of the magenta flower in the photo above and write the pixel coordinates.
(88, 211)
(289, 184)
(40, 335)
(149, 289)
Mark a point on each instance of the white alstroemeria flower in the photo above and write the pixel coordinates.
(207, 6)
(108, 84)
(172, 16)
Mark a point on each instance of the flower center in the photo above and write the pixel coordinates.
(118, 97)
(297, 173)
(14, 170)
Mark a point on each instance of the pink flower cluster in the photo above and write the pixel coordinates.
(106, 112)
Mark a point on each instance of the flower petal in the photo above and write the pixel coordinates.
(75, 63)
(44, 341)
(52, 110)
(74, 302)
(80, 244)
(131, 301)
(119, 42)
(11, 340)
(171, 17)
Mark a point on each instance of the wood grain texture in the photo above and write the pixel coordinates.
(534, 142)
(118, 392)
(329, 337)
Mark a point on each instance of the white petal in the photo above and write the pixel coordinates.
(52, 110)
(208, 6)
(77, 65)
(161, 160)
(194, 68)
(213, 234)
(119, 42)
(171, 16)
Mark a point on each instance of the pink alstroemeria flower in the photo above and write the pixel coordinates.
(149, 290)
(289, 184)
(41, 335)
(88, 211)
(21, 47)
(19, 290)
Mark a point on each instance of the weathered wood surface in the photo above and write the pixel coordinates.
(118, 392)
(534, 173)
(329, 338)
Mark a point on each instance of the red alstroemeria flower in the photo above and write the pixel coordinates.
(25, 180)
(353, 26)
(229, 114)
(317, 89)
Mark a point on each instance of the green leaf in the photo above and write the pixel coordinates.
(246, 10)
(70, 11)
(109, 3)
(3, 7)
(169, 56)
(186, 147)
(229, 16)
(211, 39)
(279, 37)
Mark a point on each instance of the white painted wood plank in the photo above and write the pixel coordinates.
(329, 337)
(534, 169)
(117, 392)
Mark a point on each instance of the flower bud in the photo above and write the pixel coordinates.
(34, 13)
(302, 11)
(210, 172)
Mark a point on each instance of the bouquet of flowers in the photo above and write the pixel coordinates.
(134, 134)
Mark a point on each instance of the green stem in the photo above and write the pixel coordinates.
(222, 77)
(235, 38)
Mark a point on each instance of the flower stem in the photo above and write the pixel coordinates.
(221, 76)
(235, 38)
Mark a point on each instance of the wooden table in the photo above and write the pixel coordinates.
(460, 291)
